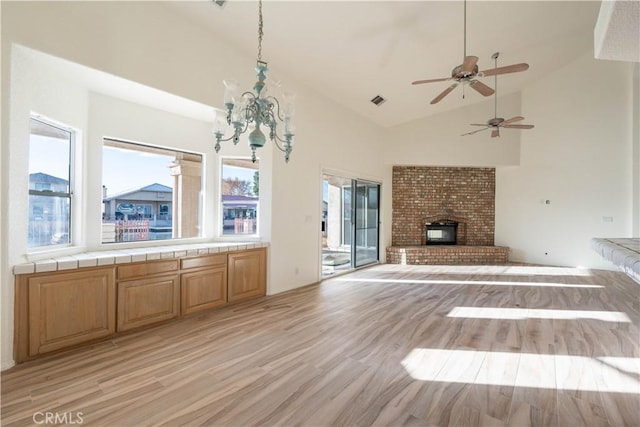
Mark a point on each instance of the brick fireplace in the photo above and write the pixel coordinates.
(426, 195)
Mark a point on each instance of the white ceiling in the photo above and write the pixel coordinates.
(352, 51)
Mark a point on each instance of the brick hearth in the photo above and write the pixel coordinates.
(447, 255)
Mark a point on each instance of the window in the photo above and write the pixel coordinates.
(50, 186)
(240, 196)
(149, 193)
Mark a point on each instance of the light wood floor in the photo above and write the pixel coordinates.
(389, 345)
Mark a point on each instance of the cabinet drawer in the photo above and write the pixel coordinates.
(218, 260)
(147, 269)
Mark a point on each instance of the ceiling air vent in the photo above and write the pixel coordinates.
(378, 100)
(219, 2)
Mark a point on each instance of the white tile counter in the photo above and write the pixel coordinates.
(125, 256)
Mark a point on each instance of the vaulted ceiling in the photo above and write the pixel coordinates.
(352, 51)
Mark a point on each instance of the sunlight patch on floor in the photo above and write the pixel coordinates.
(536, 313)
(512, 270)
(548, 371)
(471, 282)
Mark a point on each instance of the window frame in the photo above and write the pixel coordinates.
(144, 147)
(70, 194)
(220, 223)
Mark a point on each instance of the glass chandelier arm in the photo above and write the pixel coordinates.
(238, 130)
(287, 147)
(275, 106)
(248, 94)
(288, 138)
(219, 139)
(278, 145)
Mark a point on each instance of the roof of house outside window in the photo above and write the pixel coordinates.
(152, 188)
(43, 177)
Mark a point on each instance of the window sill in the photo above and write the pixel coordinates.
(125, 256)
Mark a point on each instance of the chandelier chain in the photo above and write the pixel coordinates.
(260, 32)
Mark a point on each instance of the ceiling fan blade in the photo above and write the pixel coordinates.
(518, 126)
(469, 63)
(444, 93)
(475, 131)
(515, 68)
(419, 82)
(495, 132)
(481, 88)
(513, 119)
(477, 124)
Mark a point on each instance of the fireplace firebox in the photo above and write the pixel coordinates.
(441, 233)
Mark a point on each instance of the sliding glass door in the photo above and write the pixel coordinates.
(350, 220)
(366, 223)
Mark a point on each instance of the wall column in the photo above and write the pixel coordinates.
(334, 217)
(186, 197)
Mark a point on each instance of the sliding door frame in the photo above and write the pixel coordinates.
(355, 182)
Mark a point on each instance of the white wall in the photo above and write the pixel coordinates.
(579, 157)
(145, 42)
(340, 142)
(436, 140)
(32, 90)
(115, 118)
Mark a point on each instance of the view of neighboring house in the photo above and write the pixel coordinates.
(151, 202)
(45, 210)
(239, 214)
(146, 212)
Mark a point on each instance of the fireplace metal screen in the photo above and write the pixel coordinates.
(441, 233)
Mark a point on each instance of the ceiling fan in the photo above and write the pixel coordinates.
(467, 72)
(498, 122)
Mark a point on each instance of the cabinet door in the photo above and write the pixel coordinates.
(203, 289)
(70, 308)
(247, 274)
(146, 301)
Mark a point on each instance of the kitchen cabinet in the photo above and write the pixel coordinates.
(65, 309)
(203, 283)
(247, 276)
(62, 309)
(153, 294)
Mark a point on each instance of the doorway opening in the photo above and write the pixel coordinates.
(350, 223)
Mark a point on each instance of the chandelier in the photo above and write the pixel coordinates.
(251, 110)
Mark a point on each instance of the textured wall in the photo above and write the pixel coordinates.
(425, 194)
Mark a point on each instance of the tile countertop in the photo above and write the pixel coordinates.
(125, 256)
